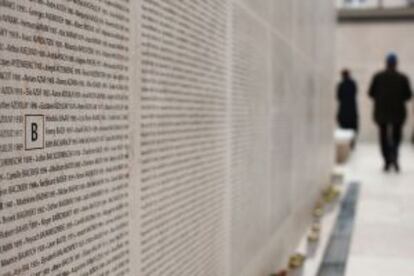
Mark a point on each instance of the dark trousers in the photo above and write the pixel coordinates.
(390, 138)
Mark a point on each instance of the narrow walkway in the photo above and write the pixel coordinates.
(383, 239)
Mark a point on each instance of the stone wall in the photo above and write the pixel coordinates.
(161, 137)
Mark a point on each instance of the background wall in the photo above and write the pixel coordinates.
(179, 137)
(362, 47)
(373, 3)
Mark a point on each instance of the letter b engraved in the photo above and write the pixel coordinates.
(34, 132)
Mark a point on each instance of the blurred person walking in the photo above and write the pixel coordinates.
(347, 116)
(390, 90)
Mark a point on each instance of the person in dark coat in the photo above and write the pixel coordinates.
(390, 90)
(347, 99)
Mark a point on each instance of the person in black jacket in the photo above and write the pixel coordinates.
(390, 90)
(347, 99)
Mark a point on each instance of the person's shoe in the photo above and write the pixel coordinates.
(387, 167)
(397, 167)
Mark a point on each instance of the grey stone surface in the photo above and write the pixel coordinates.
(161, 137)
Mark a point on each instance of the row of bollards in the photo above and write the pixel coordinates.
(325, 204)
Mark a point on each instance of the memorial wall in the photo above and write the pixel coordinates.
(155, 137)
